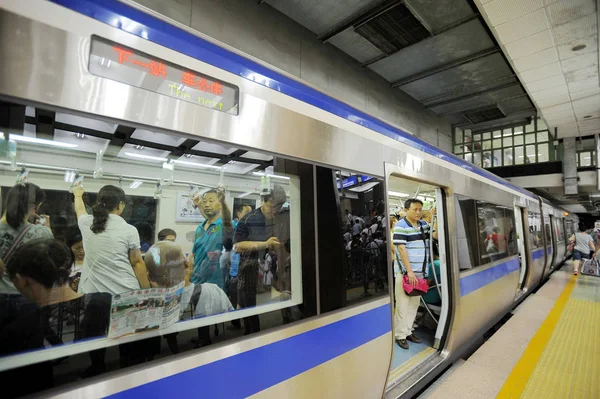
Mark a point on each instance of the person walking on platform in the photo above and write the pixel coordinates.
(411, 237)
(584, 243)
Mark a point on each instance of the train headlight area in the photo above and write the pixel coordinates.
(171, 228)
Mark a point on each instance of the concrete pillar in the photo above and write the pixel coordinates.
(570, 165)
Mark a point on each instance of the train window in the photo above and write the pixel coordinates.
(535, 230)
(548, 231)
(357, 258)
(144, 244)
(559, 230)
(491, 232)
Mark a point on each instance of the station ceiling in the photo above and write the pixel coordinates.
(440, 52)
(553, 47)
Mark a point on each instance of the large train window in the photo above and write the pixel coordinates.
(143, 244)
(489, 232)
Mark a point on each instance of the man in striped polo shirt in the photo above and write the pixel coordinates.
(411, 237)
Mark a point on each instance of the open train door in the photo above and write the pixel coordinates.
(522, 242)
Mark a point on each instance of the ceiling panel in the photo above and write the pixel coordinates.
(460, 78)
(199, 160)
(583, 74)
(542, 72)
(355, 45)
(257, 155)
(438, 14)
(211, 147)
(549, 101)
(522, 27)
(574, 30)
(480, 101)
(130, 148)
(85, 122)
(161, 138)
(240, 167)
(583, 84)
(546, 83)
(536, 60)
(562, 12)
(558, 108)
(591, 46)
(457, 43)
(317, 15)
(529, 45)
(585, 93)
(502, 11)
(580, 61)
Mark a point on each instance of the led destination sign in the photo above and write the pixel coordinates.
(123, 64)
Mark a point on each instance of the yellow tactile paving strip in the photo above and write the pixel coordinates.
(563, 358)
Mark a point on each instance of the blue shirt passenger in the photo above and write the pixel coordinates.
(209, 238)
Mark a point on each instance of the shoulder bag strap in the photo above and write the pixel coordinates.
(16, 243)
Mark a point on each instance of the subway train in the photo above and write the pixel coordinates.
(113, 68)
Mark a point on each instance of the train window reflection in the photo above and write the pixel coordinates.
(177, 243)
(486, 232)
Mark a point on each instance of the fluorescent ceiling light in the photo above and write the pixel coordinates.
(147, 157)
(196, 165)
(33, 140)
(136, 184)
(274, 176)
(245, 194)
(397, 194)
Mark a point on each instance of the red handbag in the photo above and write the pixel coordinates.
(421, 288)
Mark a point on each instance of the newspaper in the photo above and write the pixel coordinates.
(144, 310)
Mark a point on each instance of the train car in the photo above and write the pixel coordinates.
(140, 101)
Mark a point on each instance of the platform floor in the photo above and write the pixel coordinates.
(549, 349)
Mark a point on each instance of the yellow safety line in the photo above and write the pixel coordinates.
(410, 363)
(517, 380)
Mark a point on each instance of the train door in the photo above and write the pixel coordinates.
(555, 239)
(520, 217)
(430, 311)
(548, 244)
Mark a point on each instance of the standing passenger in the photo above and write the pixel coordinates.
(255, 234)
(583, 245)
(411, 236)
(113, 260)
(210, 236)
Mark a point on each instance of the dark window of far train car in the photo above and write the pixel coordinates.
(352, 226)
(487, 230)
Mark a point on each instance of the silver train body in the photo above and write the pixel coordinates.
(44, 47)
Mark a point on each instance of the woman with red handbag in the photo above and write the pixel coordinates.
(411, 236)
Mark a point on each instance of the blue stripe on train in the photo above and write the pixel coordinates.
(475, 281)
(250, 372)
(119, 15)
(537, 254)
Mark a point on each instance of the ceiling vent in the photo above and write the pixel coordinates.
(393, 30)
(485, 115)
